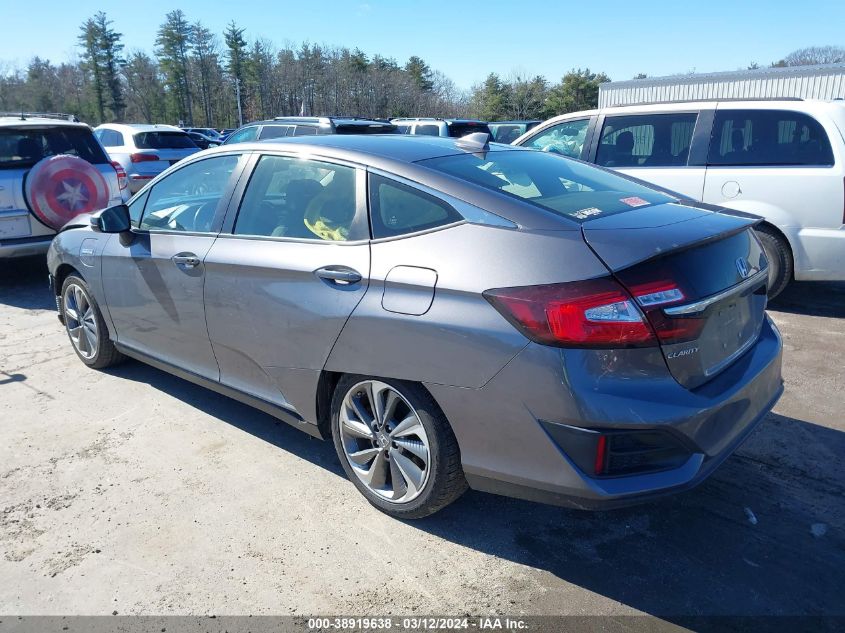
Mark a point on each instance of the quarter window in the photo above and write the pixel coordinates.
(274, 131)
(397, 209)
(136, 208)
(565, 138)
(646, 140)
(187, 199)
(768, 137)
(291, 197)
(110, 138)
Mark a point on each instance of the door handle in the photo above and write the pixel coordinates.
(340, 275)
(188, 260)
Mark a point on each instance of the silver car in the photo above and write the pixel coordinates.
(451, 313)
(144, 151)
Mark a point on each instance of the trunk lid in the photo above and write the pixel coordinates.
(698, 275)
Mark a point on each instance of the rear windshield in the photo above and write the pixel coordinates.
(163, 140)
(23, 147)
(567, 187)
(457, 130)
(358, 128)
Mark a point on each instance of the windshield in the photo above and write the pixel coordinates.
(163, 140)
(567, 187)
(23, 147)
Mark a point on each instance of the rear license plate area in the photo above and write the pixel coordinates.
(15, 226)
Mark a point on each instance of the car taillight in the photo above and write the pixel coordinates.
(652, 298)
(597, 313)
(122, 181)
(142, 158)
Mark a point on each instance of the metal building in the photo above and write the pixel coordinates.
(807, 82)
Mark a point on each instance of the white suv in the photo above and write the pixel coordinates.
(783, 160)
(51, 169)
(144, 151)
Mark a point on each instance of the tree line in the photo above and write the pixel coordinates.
(199, 78)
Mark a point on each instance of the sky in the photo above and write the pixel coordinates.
(467, 40)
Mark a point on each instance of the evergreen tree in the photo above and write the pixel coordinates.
(89, 41)
(174, 46)
(420, 73)
(236, 46)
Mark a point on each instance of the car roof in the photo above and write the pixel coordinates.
(36, 121)
(434, 118)
(139, 127)
(369, 149)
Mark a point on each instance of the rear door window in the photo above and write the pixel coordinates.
(304, 130)
(163, 140)
(768, 137)
(304, 199)
(243, 135)
(23, 147)
(646, 140)
(566, 139)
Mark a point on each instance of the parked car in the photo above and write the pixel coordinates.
(783, 160)
(144, 151)
(308, 126)
(225, 132)
(451, 313)
(51, 168)
(509, 131)
(205, 131)
(204, 142)
(429, 126)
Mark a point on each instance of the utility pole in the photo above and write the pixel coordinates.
(238, 95)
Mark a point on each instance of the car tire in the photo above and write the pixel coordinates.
(780, 260)
(406, 461)
(85, 325)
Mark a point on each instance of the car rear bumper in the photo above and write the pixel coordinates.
(25, 246)
(506, 449)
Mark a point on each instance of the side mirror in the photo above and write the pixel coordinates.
(112, 220)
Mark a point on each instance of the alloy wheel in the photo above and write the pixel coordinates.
(384, 441)
(81, 322)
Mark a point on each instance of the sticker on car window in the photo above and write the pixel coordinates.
(634, 201)
(583, 214)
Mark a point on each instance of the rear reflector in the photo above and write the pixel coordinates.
(601, 455)
(597, 313)
(143, 158)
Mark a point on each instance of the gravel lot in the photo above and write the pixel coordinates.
(136, 492)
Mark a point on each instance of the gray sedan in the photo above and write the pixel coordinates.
(450, 313)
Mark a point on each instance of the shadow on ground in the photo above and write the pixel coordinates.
(762, 536)
(813, 298)
(23, 284)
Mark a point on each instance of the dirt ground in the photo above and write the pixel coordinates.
(131, 491)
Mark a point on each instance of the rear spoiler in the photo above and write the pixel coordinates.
(643, 244)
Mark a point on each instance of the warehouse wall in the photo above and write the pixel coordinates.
(807, 82)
